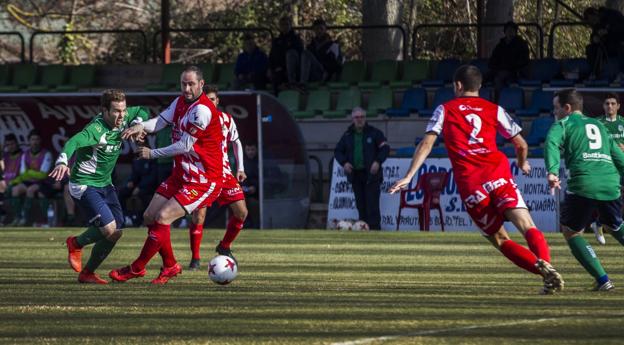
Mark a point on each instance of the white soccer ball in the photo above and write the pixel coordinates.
(222, 269)
(344, 225)
(360, 225)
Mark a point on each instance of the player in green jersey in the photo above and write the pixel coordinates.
(595, 163)
(97, 148)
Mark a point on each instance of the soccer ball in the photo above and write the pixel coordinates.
(344, 225)
(222, 269)
(360, 225)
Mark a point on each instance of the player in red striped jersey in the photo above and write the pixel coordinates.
(469, 125)
(231, 193)
(197, 175)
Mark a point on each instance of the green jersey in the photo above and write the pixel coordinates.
(594, 160)
(97, 148)
(615, 128)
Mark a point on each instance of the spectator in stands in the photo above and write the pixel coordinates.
(323, 58)
(509, 58)
(251, 65)
(250, 185)
(141, 184)
(35, 165)
(11, 158)
(606, 38)
(361, 151)
(285, 56)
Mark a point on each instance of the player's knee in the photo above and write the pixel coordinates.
(241, 213)
(199, 217)
(148, 217)
(115, 236)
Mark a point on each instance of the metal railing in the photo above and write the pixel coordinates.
(401, 29)
(551, 41)
(136, 32)
(22, 42)
(191, 30)
(540, 31)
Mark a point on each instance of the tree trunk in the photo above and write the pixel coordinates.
(378, 44)
(617, 5)
(496, 11)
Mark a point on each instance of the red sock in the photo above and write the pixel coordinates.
(166, 251)
(519, 255)
(151, 246)
(196, 231)
(537, 243)
(234, 226)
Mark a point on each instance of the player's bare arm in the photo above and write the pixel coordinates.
(420, 154)
(522, 152)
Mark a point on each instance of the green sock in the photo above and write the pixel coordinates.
(618, 234)
(584, 253)
(91, 235)
(99, 252)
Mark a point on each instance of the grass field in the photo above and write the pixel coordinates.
(307, 287)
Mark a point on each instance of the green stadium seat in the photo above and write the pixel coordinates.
(383, 71)
(4, 75)
(290, 99)
(347, 100)
(170, 78)
(80, 77)
(24, 75)
(413, 71)
(50, 77)
(380, 100)
(318, 102)
(353, 72)
(226, 76)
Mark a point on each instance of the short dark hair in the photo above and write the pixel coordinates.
(571, 97)
(111, 95)
(211, 88)
(590, 11)
(510, 24)
(34, 132)
(614, 96)
(196, 70)
(248, 37)
(10, 137)
(469, 76)
(319, 21)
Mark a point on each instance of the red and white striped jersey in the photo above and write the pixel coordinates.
(201, 120)
(230, 134)
(469, 126)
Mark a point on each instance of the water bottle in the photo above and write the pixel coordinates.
(50, 214)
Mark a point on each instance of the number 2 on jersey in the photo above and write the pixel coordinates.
(476, 123)
(593, 134)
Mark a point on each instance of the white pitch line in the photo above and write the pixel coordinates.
(436, 331)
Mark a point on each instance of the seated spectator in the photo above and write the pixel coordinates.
(322, 60)
(35, 165)
(250, 186)
(11, 159)
(251, 65)
(285, 56)
(141, 184)
(606, 38)
(51, 189)
(509, 58)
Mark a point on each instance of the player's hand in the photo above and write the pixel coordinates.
(399, 184)
(133, 132)
(241, 176)
(143, 152)
(59, 172)
(348, 168)
(525, 168)
(553, 182)
(374, 168)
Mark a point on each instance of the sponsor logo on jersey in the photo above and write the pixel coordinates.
(464, 107)
(492, 185)
(474, 199)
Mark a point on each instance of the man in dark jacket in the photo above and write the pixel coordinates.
(606, 39)
(361, 151)
(251, 65)
(285, 55)
(509, 57)
(322, 59)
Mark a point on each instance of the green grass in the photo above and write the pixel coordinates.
(307, 287)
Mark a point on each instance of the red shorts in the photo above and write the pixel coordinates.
(231, 192)
(191, 196)
(487, 203)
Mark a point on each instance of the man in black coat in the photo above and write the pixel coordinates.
(361, 151)
(285, 55)
(509, 58)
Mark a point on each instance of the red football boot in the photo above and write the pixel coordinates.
(90, 278)
(125, 273)
(74, 254)
(167, 273)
